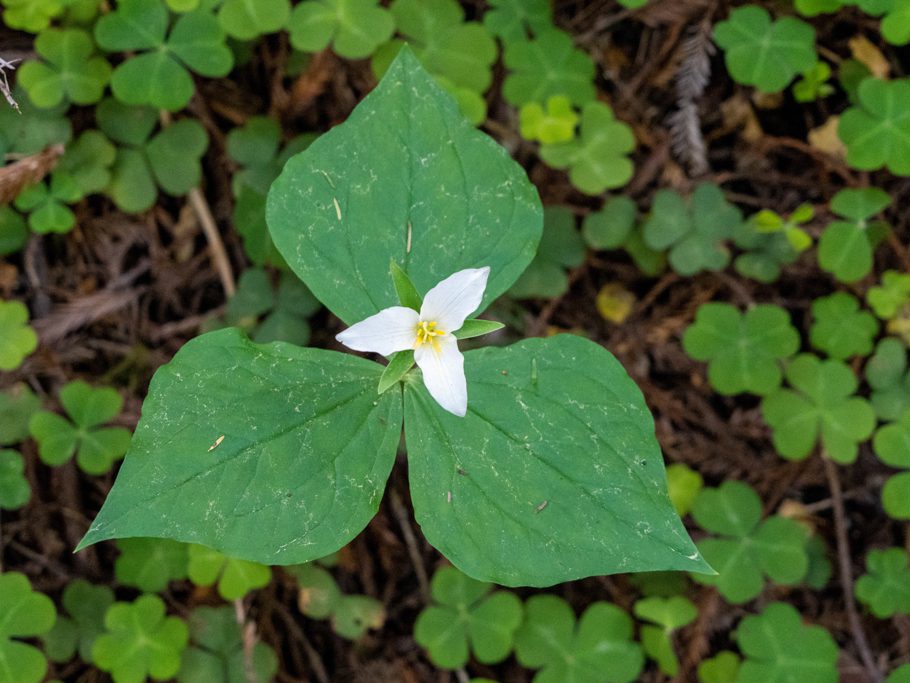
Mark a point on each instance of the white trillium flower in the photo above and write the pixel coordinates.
(429, 333)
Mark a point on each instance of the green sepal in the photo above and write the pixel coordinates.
(404, 288)
(475, 327)
(399, 365)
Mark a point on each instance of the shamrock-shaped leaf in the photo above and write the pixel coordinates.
(823, 406)
(217, 653)
(885, 589)
(597, 160)
(319, 595)
(14, 488)
(742, 350)
(721, 668)
(34, 129)
(814, 84)
(598, 649)
(355, 28)
(694, 229)
(13, 231)
(840, 329)
(23, 614)
(669, 614)
(767, 641)
(876, 130)
(555, 123)
(896, 496)
(764, 252)
(139, 641)
(17, 339)
(31, 15)
(763, 53)
(466, 616)
(560, 247)
(896, 22)
(87, 162)
(684, 484)
(513, 20)
(546, 66)
(86, 606)
(96, 448)
(235, 577)
(70, 71)
(17, 405)
(158, 75)
(749, 549)
(891, 444)
(892, 295)
(47, 204)
(245, 20)
(150, 564)
(354, 615)
(769, 222)
(845, 248)
(610, 227)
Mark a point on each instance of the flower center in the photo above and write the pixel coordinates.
(426, 334)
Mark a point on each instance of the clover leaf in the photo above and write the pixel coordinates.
(31, 15)
(823, 406)
(876, 130)
(247, 19)
(812, 8)
(34, 129)
(669, 614)
(885, 588)
(814, 84)
(70, 70)
(598, 649)
(47, 204)
(96, 448)
(555, 123)
(355, 28)
(683, 484)
(763, 53)
(597, 160)
(13, 231)
(694, 229)
(23, 613)
(610, 227)
(354, 615)
(742, 350)
(318, 596)
(466, 615)
(749, 549)
(840, 328)
(560, 247)
(150, 564)
(87, 162)
(895, 25)
(887, 375)
(14, 488)
(891, 446)
(17, 405)
(721, 668)
(545, 66)
(217, 653)
(900, 675)
(767, 641)
(139, 641)
(235, 577)
(513, 20)
(764, 253)
(158, 75)
(86, 606)
(845, 248)
(891, 296)
(769, 222)
(17, 339)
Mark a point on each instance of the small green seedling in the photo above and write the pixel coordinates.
(840, 328)
(139, 641)
(598, 649)
(158, 75)
(887, 375)
(235, 577)
(749, 549)
(466, 617)
(17, 339)
(885, 589)
(766, 640)
(684, 485)
(814, 84)
(17, 405)
(354, 28)
(85, 605)
(150, 564)
(24, 613)
(46, 204)
(721, 668)
(13, 231)
(561, 247)
(876, 130)
(545, 66)
(217, 653)
(321, 598)
(513, 20)
(892, 446)
(887, 299)
(669, 615)
(96, 448)
(598, 159)
(822, 407)
(548, 124)
(769, 222)
(764, 254)
(245, 20)
(70, 72)
(763, 53)
(14, 488)
(743, 351)
(845, 248)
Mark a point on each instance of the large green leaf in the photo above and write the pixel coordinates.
(270, 453)
(553, 475)
(406, 178)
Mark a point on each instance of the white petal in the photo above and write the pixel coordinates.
(455, 298)
(392, 329)
(443, 374)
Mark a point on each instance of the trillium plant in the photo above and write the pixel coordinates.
(529, 464)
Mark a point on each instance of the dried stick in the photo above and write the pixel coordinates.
(216, 246)
(411, 541)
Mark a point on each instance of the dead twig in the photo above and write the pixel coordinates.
(4, 83)
(411, 541)
(216, 245)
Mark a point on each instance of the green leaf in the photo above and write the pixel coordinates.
(356, 614)
(34, 129)
(88, 161)
(610, 227)
(140, 641)
(721, 668)
(814, 84)
(896, 23)
(355, 28)
(475, 327)
(319, 595)
(235, 577)
(840, 328)
(900, 675)
(87, 605)
(684, 484)
(14, 488)
(845, 248)
(17, 405)
(888, 299)
(23, 614)
(270, 473)
(896, 496)
(13, 231)
(17, 339)
(70, 71)
(767, 641)
(248, 19)
(174, 156)
(351, 233)
(513, 20)
(743, 351)
(150, 564)
(496, 479)
(765, 54)
(404, 288)
(876, 130)
(395, 371)
(598, 649)
(560, 247)
(822, 407)
(765, 253)
(812, 8)
(597, 160)
(467, 615)
(885, 589)
(554, 124)
(891, 442)
(669, 613)
(546, 66)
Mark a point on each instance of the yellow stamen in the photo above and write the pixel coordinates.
(426, 334)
